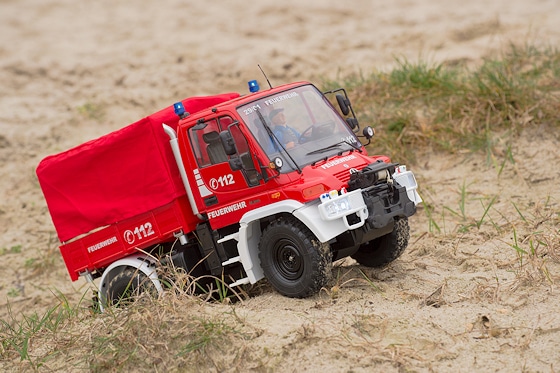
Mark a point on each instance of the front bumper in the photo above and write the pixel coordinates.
(369, 209)
(385, 202)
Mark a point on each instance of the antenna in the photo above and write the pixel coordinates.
(268, 81)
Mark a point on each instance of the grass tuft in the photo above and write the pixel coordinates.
(451, 107)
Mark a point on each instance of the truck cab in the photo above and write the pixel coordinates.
(240, 163)
(271, 176)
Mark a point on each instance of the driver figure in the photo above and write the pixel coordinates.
(287, 135)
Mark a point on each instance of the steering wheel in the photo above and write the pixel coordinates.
(316, 131)
(306, 135)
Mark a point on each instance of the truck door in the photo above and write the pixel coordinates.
(217, 181)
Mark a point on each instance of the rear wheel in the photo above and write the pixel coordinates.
(293, 260)
(385, 249)
(127, 285)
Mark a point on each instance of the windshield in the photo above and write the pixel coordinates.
(299, 125)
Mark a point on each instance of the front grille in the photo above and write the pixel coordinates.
(343, 175)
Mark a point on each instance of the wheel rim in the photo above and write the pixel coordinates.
(288, 260)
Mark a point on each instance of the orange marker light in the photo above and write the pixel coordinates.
(313, 191)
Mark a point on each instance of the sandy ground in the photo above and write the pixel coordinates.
(456, 301)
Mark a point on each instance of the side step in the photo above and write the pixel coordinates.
(241, 281)
(236, 259)
(233, 236)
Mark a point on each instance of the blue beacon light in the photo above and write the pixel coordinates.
(179, 109)
(253, 86)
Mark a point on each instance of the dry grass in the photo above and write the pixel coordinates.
(451, 108)
(184, 332)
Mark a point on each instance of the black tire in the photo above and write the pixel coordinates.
(128, 285)
(385, 249)
(295, 263)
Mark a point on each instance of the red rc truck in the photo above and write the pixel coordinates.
(273, 184)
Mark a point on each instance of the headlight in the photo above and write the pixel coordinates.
(337, 207)
(334, 206)
(406, 179)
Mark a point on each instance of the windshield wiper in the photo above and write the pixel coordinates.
(355, 147)
(325, 148)
(334, 146)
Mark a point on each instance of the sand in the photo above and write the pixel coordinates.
(72, 71)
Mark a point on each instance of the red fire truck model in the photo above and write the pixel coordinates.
(273, 184)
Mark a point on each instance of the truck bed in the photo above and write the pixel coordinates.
(118, 176)
(103, 246)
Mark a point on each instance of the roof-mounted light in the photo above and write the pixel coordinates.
(180, 109)
(253, 86)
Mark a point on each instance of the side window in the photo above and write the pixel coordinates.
(207, 145)
(243, 152)
(239, 139)
(225, 122)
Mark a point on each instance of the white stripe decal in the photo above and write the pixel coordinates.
(202, 189)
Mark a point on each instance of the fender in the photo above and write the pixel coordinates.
(141, 262)
(308, 214)
(250, 234)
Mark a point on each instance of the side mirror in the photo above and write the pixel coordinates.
(352, 123)
(343, 103)
(227, 142)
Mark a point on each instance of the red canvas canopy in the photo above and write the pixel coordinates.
(117, 176)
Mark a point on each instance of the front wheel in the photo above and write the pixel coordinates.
(295, 263)
(385, 249)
